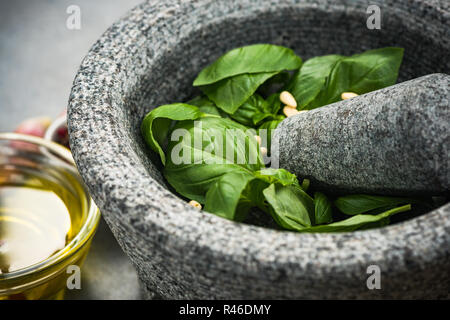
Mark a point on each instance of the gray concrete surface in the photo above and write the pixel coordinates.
(39, 57)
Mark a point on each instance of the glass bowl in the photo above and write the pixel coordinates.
(22, 157)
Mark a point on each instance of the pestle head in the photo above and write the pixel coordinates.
(391, 141)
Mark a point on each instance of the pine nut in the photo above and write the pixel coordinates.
(258, 139)
(348, 95)
(289, 111)
(288, 99)
(263, 151)
(195, 204)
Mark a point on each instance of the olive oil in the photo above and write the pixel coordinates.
(38, 218)
(40, 214)
(47, 219)
(34, 224)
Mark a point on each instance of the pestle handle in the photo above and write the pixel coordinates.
(391, 141)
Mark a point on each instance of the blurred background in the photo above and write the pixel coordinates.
(39, 57)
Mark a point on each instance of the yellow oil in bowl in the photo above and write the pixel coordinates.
(47, 219)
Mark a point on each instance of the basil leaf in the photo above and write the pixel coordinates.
(223, 146)
(225, 198)
(235, 76)
(363, 203)
(373, 69)
(358, 222)
(281, 176)
(275, 85)
(273, 103)
(290, 206)
(256, 109)
(251, 112)
(266, 129)
(257, 58)
(311, 78)
(227, 188)
(235, 193)
(156, 123)
(322, 209)
(230, 93)
(207, 106)
(322, 80)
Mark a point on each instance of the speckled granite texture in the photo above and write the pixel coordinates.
(151, 57)
(391, 141)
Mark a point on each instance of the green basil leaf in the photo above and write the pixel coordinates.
(373, 69)
(363, 203)
(156, 123)
(322, 209)
(256, 109)
(225, 197)
(282, 176)
(263, 178)
(273, 104)
(230, 93)
(266, 129)
(257, 58)
(225, 146)
(358, 222)
(275, 85)
(307, 82)
(207, 106)
(321, 80)
(251, 111)
(290, 206)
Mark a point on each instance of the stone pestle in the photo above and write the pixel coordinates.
(393, 141)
